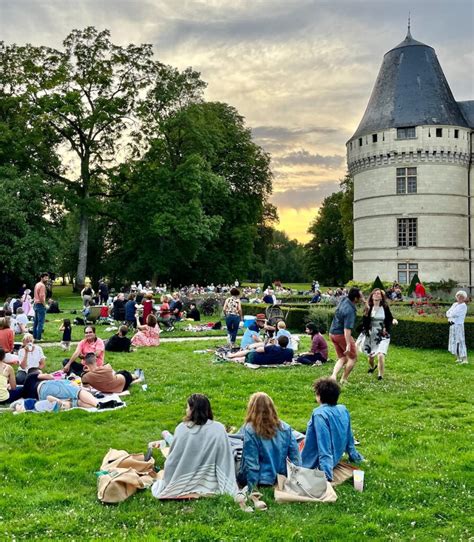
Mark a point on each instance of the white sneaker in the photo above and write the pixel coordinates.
(463, 362)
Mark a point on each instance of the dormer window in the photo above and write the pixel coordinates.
(456, 134)
(374, 138)
(439, 132)
(407, 132)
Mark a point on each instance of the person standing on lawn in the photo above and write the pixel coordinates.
(39, 306)
(233, 315)
(456, 316)
(341, 333)
(377, 323)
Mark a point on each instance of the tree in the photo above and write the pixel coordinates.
(285, 259)
(29, 219)
(347, 212)
(327, 254)
(86, 97)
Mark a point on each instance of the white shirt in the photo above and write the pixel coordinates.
(457, 313)
(33, 359)
(20, 319)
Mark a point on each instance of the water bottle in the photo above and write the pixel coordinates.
(168, 437)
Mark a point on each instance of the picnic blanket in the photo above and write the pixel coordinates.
(42, 406)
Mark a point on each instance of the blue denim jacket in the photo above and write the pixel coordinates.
(263, 459)
(328, 436)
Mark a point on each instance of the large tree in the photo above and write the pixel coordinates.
(29, 218)
(327, 255)
(91, 96)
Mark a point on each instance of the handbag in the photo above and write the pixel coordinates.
(360, 343)
(305, 482)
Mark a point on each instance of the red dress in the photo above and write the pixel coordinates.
(147, 308)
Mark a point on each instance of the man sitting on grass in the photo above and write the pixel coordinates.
(270, 354)
(329, 433)
(119, 342)
(104, 378)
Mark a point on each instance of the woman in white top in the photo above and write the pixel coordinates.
(30, 355)
(456, 316)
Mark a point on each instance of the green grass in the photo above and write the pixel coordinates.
(414, 427)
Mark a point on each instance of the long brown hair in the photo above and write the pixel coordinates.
(262, 415)
(370, 302)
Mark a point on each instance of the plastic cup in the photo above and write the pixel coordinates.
(358, 476)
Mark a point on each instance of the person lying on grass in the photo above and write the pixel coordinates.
(268, 442)
(91, 344)
(200, 461)
(39, 385)
(329, 433)
(104, 378)
(269, 354)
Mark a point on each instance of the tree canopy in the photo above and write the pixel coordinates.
(139, 174)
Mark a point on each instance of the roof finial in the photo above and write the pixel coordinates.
(409, 27)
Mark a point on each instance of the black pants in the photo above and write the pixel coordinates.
(128, 379)
(75, 367)
(311, 359)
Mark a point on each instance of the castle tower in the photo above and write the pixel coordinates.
(411, 160)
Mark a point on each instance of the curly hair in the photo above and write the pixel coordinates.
(262, 415)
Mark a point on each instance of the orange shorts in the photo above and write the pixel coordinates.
(339, 343)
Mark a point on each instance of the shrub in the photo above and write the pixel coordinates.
(411, 331)
(210, 305)
(379, 284)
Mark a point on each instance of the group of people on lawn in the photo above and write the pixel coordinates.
(200, 460)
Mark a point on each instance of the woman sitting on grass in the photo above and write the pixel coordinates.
(200, 461)
(30, 355)
(147, 335)
(8, 389)
(268, 442)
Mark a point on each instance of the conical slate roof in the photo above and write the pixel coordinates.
(411, 90)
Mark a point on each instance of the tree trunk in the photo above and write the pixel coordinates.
(83, 244)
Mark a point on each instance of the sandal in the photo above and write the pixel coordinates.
(241, 500)
(372, 369)
(258, 504)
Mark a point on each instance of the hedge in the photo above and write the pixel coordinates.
(426, 332)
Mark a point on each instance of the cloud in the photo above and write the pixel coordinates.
(285, 133)
(305, 198)
(305, 158)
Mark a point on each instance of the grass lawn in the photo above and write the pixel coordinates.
(415, 430)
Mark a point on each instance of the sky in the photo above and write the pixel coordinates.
(299, 71)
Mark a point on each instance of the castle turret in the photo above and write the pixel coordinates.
(410, 159)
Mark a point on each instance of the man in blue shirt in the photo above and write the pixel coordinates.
(341, 333)
(329, 432)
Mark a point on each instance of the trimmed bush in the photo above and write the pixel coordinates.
(414, 332)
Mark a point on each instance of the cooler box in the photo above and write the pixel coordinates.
(249, 320)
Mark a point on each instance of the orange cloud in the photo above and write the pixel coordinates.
(295, 222)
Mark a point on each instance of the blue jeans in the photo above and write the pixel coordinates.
(232, 321)
(38, 322)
